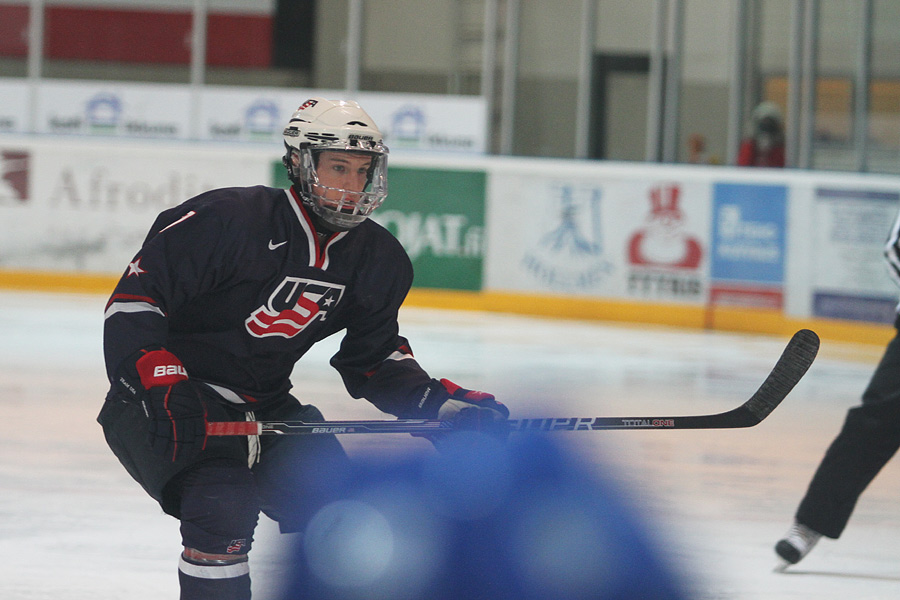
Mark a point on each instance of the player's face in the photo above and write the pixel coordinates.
(341, 171)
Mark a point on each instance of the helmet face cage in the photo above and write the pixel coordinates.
(340, 208)
(320, 125)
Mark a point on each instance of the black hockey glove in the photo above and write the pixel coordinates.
(470, 410)
(176, 414)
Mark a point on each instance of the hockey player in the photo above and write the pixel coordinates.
(227, 292)
(869, 438)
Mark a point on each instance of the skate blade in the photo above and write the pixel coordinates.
(782, 566)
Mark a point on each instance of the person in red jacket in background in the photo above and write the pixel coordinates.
(765, 146)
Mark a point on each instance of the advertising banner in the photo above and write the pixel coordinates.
(749, 236)
(135, 110)
(15, 173)
(429, 122)
(416, 122)
(438, 216)
(251, 114)
(610, 237)
(14, 103)
(78, 208)
(667, 251)
(849, 278)
(407, 121)
(246, 114)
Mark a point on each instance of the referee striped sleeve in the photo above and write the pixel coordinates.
(892, 251)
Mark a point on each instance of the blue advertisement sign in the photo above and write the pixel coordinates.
(749, 233)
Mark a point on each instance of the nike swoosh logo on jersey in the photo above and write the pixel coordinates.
(273, 245)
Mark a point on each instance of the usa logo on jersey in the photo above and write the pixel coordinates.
(294, 304)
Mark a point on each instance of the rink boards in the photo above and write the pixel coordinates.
(716, 247)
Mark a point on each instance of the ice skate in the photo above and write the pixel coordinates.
(796, 544)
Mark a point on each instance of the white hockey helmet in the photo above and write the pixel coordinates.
(321, 125)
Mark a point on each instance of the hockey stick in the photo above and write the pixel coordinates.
(796, 359)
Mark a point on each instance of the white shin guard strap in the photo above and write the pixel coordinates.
(214, 570)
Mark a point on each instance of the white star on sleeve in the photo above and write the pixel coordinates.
(134, 268)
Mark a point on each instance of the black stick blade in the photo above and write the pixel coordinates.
(795, 360)
(787, 372)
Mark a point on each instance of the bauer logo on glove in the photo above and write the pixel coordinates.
(163, 370)
(160, 368)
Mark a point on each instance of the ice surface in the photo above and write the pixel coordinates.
(73, 525)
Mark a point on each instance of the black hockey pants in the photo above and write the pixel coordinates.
(217, 495)
(869, 438)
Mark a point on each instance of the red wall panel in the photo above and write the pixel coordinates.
(13, 30)
(117, 35)
(239, 40)
(139, 36)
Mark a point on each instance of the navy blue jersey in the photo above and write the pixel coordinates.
(237, 284)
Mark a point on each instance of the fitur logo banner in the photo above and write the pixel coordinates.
(664, 255)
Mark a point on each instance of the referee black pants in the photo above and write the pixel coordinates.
(869, 438)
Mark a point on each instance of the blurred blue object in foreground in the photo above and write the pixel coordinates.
(480, 520)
